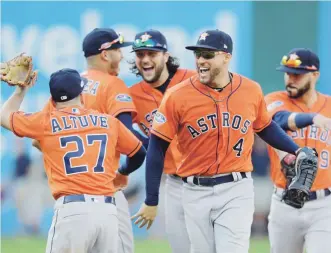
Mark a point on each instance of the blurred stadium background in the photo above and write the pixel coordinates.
(52, 33)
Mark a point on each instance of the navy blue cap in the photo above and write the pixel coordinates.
(66, 84)
(152, 40)
(213, 40)
(300, 61)
(101, 39)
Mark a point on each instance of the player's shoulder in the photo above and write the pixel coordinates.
(182, 74)
(246, 81)
(325, 96)
(181, 87)
(136, 88)
(281, 95)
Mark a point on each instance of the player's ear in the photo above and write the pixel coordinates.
(104, 55)
(166, 57)
(227, 58)
(316, 74)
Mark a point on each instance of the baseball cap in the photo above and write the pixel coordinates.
(299, 61)
(101, 39)
(213, 40)
(152, 40)
(66, 84)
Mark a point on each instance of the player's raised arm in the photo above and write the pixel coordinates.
(16, 72)
(12, 105)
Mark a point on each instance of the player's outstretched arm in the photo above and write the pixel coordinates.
(12, 105)
(293, 121)
(275, 136)
(154, 168)
(126, 119)
(133, 163)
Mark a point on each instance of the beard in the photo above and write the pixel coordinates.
(300, 91)
(157, 73)
(212, 76)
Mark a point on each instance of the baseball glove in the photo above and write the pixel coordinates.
(288, 168)
(297, 193)
(18, 71)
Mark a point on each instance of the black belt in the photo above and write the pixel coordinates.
(313, 195)
(211, 181)
(175, 176)
(81, 198)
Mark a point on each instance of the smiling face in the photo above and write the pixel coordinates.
(151, 64)
(210, 64)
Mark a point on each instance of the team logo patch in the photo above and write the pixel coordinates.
(274, 105)
(160, 118)
(123, 98)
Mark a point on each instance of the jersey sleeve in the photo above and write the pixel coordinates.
(119, 99)
(263, 119)
(166, 119)
(27, 124)
(127, 142)
(275, 104)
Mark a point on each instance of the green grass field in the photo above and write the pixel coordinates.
(37, 245)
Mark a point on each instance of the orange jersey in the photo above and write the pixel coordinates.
(215, 130)
(78, 147)
(147, 99)
(107, 94)
(310, 136)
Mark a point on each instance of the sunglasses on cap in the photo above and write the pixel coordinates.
(107, 45)
(207, 54)
(293, 61)
(138, 43)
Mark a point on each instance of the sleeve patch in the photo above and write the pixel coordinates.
(160, 118)
(274, 105)
(123, 98)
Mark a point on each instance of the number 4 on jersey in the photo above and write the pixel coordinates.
(238, 147)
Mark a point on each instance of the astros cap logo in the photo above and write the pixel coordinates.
(145, 37)
(203, 36)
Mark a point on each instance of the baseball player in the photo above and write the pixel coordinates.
(306, 116)
(79, 147)
(160, 71)
(214, 116)
(107, 93)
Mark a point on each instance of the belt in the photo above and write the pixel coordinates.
(319, 194)
(174, 176)
(88, 198)
(212, 181)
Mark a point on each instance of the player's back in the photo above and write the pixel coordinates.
(106, 93)
(79, 148)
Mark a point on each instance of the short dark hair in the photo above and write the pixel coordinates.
(172, 65)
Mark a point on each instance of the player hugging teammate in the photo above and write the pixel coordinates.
(200, 127)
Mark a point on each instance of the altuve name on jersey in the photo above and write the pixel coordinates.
(208, 122)
(75, 122)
